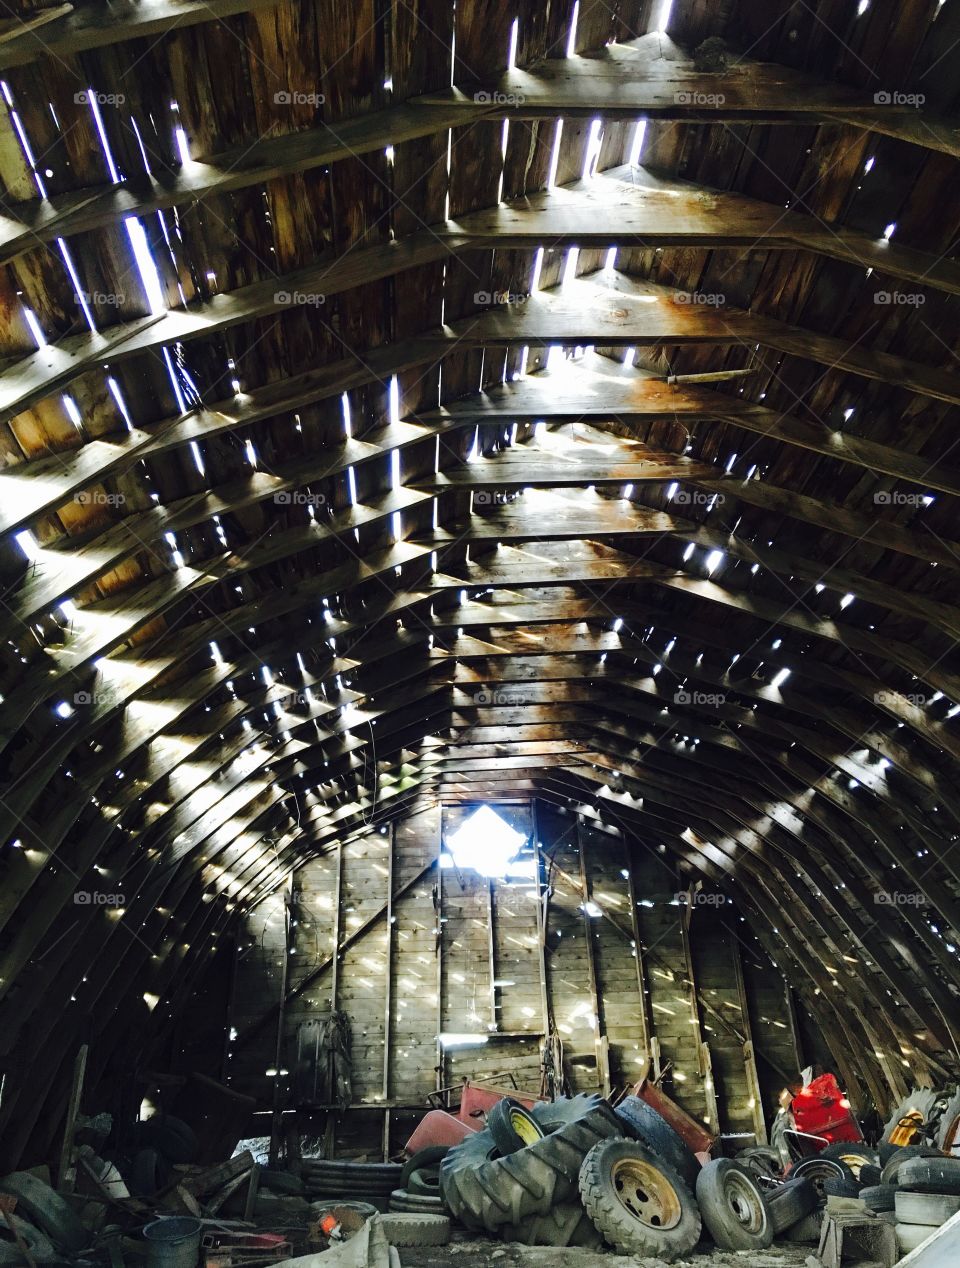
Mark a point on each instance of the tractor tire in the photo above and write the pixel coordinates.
(640, 1205)
(734, 1207)
(486, 1191)
(644, 1123)
(47, 1210)
(791, 1203)
(512, 1126)
(567, 1224)
(407, 1231)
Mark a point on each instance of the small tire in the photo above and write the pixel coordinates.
(47, 1210)
(925, 1208)
(428, 1158)
(640, 1205)
(840, 1188)
(878, 1197)
(407, 1231)
(733, 1206)
(855, 1156)
(512, 1126)
(790, 1203)
(871, 1174)
(905, 1154)
(819, 1170)
(424, 1182)
(281, 1182)
(912, 1236)
(644, 1123)
(931, 1175)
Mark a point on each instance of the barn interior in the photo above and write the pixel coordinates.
(478, 567)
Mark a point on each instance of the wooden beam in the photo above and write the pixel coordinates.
(600, 1044)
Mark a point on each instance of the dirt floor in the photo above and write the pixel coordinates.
(491, 1255)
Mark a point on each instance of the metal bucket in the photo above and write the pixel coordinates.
(173, 1242)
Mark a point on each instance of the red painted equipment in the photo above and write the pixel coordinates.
(441, 1127)
(821, 1109)
(694, 1135)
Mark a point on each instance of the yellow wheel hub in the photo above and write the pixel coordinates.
(525, 1127)
(646, 1193)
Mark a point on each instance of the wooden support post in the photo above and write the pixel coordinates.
(540, 898)
(754, 1090)
(600, 1044)
(704, 1060)
(330, 1130)
(795, 1037)
(277, 1115)
(65, 1174)
(646, 1020)
(388, 994)
(492, 958)
(438, 916)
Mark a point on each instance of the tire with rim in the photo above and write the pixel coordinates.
(879, 1197)
(855, 1156)
(733, 1206)
(930, 1175)
(407, 1230)
(512, 1126)
(925, 1208)
(644, 1123)
(891, 1172)
(639, 1204)
(485, 1191)
(47, 1209)
(567, 1224)
(819, 1170)
(910, 1236)
(790, 1203)
(424, 1159)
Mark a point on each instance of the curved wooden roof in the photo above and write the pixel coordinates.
(585, 429)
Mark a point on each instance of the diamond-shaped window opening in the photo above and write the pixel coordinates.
(485, 843)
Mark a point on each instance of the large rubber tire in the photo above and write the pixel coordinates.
(281, 1182)
(921, 1100)
(644, 1123)
(925, 1208)
(855, 1156)
(639, 1204)
(567, 1224)
(930, 1175)
(149, 1172)
(429, 1159)
(407, 1230)
(879, 1197)
(910, 1236)
(512, 1126)
(38, 1244)
(790, 1203)
(485, 1191)
(819, 1170)
(733, 1207)
(47, 1210)
(891, 1170)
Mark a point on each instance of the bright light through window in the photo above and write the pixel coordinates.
(485, 843)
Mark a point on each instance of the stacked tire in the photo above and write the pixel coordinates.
(926, 1196)
(369, 1182)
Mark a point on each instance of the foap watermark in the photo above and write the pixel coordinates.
(293, 97)
(899, 898)
(900, 299)
(88, 96)
(101, 299)
(895, 497)
(488, 298)
(491, 497)
(299, 497)
(711, 698)
(699, 898)
(498, 695)
(701, 299)
(299, 299)
(96, 898)
(896, 697)
(697, 497)
(98, 497)
(485, 98)
(706, 100)
(87, 699)
(893, 97)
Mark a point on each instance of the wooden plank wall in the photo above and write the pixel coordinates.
(483, 950)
